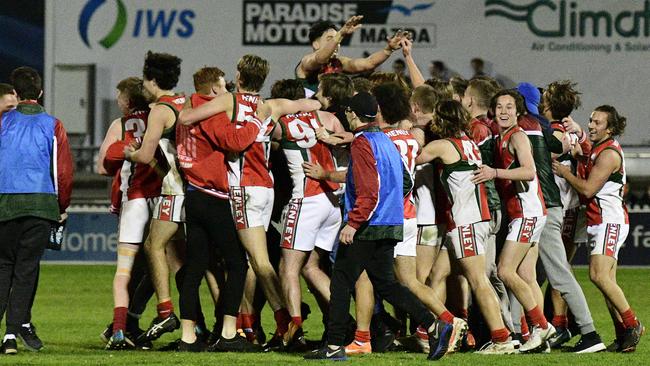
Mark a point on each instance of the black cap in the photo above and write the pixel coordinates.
(363, 104)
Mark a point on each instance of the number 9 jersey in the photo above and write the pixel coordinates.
(300, 145)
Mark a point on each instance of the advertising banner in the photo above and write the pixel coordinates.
(602, 45)
(92, 237)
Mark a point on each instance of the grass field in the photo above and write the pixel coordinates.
(74, 304)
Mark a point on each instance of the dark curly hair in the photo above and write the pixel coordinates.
(162, 67)
(561, 98)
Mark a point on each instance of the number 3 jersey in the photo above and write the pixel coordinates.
(469, 201)
(137, 180)
(251, 167)
(300, 145)
(408, 148)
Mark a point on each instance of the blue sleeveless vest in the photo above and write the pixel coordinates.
(26, 153)
(390, 207)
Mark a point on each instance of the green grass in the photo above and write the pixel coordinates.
(74, 304)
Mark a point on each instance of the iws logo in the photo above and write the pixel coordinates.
(407, 11)
(115, 33)
(566, 19)
(147, 23)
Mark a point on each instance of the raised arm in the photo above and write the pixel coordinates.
(358, 65)
(416, 76)
(222, 103)
(113, 134)
(314, 61)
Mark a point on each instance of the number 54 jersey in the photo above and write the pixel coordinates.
(300, 145)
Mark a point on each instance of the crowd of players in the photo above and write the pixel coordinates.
(452, 201)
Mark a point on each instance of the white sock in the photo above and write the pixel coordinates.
(27, 325)
(9, 336)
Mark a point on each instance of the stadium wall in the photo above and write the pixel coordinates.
(91, 237)
(601, 44)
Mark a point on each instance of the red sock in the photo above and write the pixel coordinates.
(537, 317)
(619, 327)
(165, 308)
(297, 321)
(500, 335)
(560, 321)
(247, 321)
(463, 314)
(447, 317)
(282, 319)
(362, 336)
(238, 321)
(422, 332)
(525, 332)
(629, 319)
(119, 318)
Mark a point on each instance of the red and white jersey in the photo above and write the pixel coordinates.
(172, 182)
(522, 198)
(469, 201)
(300, 145)
(116, 195)
(607, 206)
(137, 180)
(251, 167)
(409, 149)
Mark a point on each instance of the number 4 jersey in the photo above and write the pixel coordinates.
(300, 145)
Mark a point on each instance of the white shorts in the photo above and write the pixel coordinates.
(606, 239)
(311, 222)
(574, 226)
(526, 230)
(134, 217)
(169, 208)
(430, 235)
(251, 206)
(469, 240)
(406, 247)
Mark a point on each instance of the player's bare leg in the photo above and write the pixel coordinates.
(315, 276)
(484, 294)
(254, 241)
(424, 259)
(290, 267)
(516, 259)
(528, 272)
(364, 306)
(160, 234)
(439, 273)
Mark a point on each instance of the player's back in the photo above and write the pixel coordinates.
(408, 148)
(469, 201)
(249, 168)
(138, 180)
(300, 145)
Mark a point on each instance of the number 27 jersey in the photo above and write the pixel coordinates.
(300, 145)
